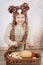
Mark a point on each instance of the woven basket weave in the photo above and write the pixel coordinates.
(23, 61)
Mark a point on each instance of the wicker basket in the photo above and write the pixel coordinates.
(24, 61)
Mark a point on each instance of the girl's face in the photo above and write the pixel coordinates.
(20, 19)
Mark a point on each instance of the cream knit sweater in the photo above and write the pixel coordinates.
(19, 32)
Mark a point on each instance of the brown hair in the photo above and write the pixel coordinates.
(13, 9)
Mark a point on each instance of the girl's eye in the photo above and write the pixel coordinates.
(22, 17)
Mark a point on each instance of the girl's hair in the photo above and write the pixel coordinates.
(14, 23)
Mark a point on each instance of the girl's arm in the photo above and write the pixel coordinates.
(7, 36)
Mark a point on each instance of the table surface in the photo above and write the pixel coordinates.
(3, 62)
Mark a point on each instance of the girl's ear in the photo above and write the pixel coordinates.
(25, 7)
(10, 9)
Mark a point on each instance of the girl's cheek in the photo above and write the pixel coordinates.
(23, 19)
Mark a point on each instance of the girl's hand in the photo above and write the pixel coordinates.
(30, 45)
(14, 44)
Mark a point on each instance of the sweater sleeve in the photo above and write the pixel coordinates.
(7, 36)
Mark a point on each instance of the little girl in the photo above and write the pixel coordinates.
(17, 31)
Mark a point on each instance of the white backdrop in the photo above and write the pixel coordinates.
(35, 17)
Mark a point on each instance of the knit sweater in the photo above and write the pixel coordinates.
(19, 32)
